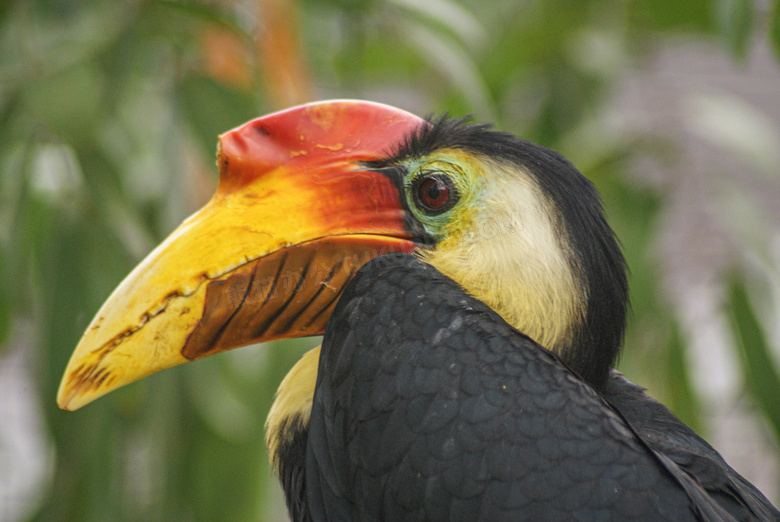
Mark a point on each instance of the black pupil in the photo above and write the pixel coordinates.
(434, 193)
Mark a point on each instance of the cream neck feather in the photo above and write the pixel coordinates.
(513, 258)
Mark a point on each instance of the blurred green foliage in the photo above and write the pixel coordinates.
(109, 113)
(761, 375)
(774, 28)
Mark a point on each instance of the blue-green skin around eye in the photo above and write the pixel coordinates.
(467, 179)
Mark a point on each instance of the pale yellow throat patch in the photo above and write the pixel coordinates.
(513, 258)
(293, 399)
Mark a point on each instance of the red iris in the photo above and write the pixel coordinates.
(434, 193)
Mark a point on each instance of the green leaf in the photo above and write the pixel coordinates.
(774, 29)
(455, 64)
(673, 15)
(683, 399)
(735, 21)
(449, 15)
(760, 373)
(191, 11)
(212, 108)
(69, 102)
(5, 302)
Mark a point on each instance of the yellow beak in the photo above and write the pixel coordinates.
(295, 215)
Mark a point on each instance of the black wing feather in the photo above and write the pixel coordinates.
(442, 411)
(666, 434)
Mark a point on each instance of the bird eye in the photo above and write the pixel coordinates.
(435, 193)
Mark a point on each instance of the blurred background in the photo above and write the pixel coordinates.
(109, 113)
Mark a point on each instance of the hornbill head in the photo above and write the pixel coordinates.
(308, 195)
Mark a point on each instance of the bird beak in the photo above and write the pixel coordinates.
(295, 215)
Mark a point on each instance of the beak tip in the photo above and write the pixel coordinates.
(79, 387)
(76, 397)
(68, 397)
(65, 401)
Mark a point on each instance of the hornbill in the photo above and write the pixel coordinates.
(473, 302)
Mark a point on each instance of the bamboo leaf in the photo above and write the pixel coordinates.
(735, 21)
(673, 15)
(683, 397)
(461, 22)
(211, 107)
(5, 302)
(759, 370)
(774, 29)
(451, 60)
